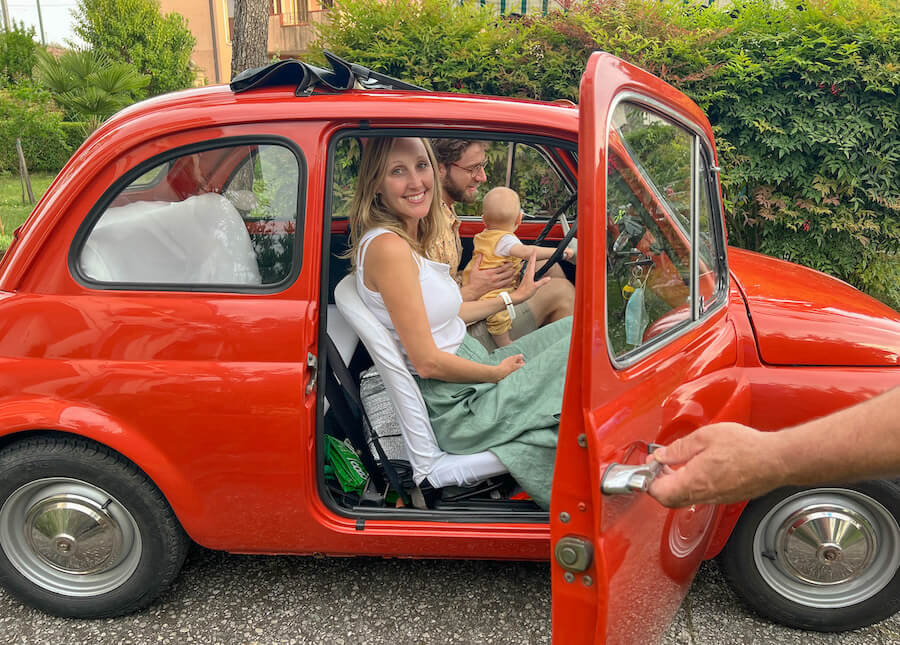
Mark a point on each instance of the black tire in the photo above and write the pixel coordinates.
(789, 561)
(83, 532)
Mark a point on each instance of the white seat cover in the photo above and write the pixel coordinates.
(201, 240)
(425, 456)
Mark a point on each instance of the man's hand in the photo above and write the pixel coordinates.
(483, 280)
(718, 464)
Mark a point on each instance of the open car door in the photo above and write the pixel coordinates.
(653, 356)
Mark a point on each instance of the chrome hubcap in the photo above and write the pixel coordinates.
(73, 534)
(69, 537)
(827, 544)
(828, 547)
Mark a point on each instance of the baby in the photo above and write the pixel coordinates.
(497, 244)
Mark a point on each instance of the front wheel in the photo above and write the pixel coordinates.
(824, 559)
(83, 532)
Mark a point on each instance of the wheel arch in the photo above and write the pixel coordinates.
(728, 519)
(22, 420)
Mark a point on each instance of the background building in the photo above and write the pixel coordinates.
(291, 29)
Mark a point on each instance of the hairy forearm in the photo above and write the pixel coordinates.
(860, 442)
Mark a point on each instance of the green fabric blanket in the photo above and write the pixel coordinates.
(518, 418)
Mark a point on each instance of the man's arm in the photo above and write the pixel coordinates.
(483, 280)
(728, 462)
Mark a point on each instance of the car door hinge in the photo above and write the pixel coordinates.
(312, 365)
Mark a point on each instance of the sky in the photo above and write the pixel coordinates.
(56, 14)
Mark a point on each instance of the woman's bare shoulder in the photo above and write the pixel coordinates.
(388, 245)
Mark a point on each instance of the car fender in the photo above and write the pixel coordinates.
(41, 414)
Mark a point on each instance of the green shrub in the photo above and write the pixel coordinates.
(29, 114)
(75, 132)
(88, 86)
(804, 98)
(136, 32)
(17, 53)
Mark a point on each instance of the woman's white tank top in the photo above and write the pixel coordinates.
(439, 292)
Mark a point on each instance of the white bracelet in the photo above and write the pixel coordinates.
(504, 296)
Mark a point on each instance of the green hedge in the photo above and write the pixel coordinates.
(28, 113)
(804, 99)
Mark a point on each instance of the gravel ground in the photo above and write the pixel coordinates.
(227, 599)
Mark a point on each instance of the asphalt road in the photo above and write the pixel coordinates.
(229, 599)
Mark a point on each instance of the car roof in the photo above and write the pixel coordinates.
(218, 105)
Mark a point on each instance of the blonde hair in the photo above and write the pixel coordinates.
(501, 208)
(368, 212)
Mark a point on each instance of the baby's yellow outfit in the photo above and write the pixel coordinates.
(486, 244)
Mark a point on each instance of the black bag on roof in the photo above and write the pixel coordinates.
(305, 77)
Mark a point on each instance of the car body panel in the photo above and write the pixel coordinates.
(809, 318)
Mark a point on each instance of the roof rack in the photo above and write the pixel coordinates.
(342, 76)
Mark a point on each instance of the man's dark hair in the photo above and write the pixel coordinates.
(448, 151)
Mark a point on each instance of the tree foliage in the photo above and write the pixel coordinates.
(88, 86)
(804, 98)
(136, 32)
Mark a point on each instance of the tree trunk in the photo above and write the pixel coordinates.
(251, 35)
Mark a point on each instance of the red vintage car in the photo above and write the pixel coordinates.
(175, 365)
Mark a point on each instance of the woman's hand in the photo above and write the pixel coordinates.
(528, 286)
(509, 365)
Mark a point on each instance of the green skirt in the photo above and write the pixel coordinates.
(518, 418)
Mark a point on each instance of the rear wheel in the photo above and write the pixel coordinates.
(825, 559)
(83, 532)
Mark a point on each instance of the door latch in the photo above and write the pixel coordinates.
(312, 365)
(574, 553)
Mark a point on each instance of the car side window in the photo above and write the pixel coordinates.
(345, 170)
(538, 184)
(225, 217)
(528, 170)
(661, 240)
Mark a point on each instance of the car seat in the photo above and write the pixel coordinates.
(427, 459)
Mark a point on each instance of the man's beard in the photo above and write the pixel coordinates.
(457, 194)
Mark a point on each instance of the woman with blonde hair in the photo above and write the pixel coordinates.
(508, 401)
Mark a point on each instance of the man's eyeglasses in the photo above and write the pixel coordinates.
(472, 170)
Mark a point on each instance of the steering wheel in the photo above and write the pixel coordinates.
(558, 252)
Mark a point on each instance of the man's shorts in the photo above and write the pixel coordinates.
(523, 324)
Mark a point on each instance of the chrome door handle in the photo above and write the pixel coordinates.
(620, 479)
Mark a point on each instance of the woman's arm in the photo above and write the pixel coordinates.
(390, 269)
(480, 309)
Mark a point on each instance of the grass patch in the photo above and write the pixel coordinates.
(12, 211)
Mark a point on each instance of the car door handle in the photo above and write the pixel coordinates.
(620, 479)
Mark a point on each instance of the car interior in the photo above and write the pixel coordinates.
(401, 448)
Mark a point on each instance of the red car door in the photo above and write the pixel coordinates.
(654, 356)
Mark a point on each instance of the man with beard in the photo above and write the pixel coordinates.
(461, 167)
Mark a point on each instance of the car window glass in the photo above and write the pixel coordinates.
(648, 228)
(538, 183)
(711, 283)
(346, 168)
(527, 170)
(225, 216)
